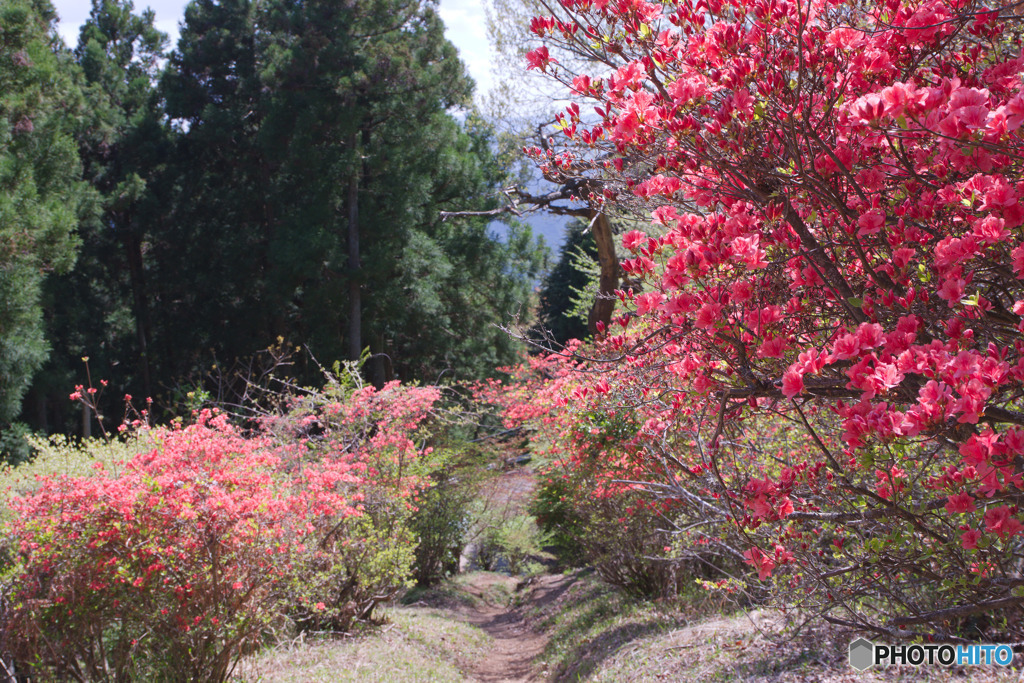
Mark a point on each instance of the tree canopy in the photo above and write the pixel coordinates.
(42, 195)
(276, 179)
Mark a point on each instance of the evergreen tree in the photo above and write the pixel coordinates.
(282, 180)
(209, 258)
(127, 146)
(101, 308)
(42, 196)
(567, 292)
(320, 146)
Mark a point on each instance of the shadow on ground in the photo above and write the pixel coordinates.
(588, 656)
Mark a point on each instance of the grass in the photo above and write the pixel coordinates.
(741, 649)
(418, 644)
(590, 622)
(600, 635)
(596, 633)
(470, 589)
(420, 641)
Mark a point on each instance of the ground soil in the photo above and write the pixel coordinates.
(516, 648)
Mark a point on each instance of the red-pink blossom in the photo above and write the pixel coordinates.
(792, 383)
(539, 58)
(762, 562)
(1001, 521)
(969, 539)
(960, 503)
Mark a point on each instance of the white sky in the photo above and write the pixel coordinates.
(464, 26)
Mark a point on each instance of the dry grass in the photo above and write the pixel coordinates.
(469, 590)
(593, 633)
(597, 634)
(587, 622)
(419, 644)
(425, 639)
(746, 648)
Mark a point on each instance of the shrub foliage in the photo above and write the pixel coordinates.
(820, 353)
(169, 565)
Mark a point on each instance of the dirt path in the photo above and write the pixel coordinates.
(515, 653)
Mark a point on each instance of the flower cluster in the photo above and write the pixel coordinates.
(835, 244)
(176, 560)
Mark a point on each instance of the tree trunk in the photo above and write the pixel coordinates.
(355, 321)
(86, 421)
(604, 304)
(133, 252)
(381, 370)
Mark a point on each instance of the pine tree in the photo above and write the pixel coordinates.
(320, 146)
(42, 196)
(567, 292)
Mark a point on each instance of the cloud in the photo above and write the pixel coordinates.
(466, 26)
(73, 13)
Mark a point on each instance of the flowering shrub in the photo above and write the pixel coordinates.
(172, 562)
(442, 519)
(59, 455)
(366, 439)
(175, 563)
(822, 343)
(603, 500)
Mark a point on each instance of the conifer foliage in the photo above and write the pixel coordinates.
(275, 178)
(42, 196)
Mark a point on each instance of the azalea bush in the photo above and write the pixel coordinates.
(171, 564)
(168, 565)
(597, 502)
(372, 443)
(821, 337)
(622, 535)
(442, 519)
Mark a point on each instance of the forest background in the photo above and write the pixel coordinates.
(277, 177)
